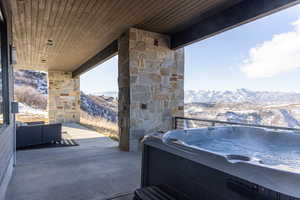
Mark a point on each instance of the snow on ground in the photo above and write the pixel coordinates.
(25, 109)
(193, 109)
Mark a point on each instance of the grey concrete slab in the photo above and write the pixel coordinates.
(94, 170)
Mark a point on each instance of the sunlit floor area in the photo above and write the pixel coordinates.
(93, 170)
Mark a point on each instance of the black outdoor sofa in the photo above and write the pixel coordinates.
(37, 134)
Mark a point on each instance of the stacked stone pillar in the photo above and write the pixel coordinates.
(151, 85)
(63, 97)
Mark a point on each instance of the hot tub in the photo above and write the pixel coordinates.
(232, 162)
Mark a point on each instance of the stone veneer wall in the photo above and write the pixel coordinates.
(63, 97)
(151, 90)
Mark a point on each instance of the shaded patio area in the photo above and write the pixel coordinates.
(94, 170)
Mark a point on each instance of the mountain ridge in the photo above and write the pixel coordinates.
(241, 95)
(231, 96)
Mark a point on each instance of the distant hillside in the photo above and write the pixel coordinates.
(31, 88)
(99, 106)
(36, 80)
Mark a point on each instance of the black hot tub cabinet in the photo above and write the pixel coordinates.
(224, 163)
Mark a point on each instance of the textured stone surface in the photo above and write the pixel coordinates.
(64, 97)
(150, 85)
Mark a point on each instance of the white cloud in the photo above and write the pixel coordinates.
(281, 54)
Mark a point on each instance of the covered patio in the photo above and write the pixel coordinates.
(66, 38)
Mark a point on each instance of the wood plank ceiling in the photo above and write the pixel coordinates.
(62, 34)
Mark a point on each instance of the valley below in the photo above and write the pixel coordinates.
(286, 115)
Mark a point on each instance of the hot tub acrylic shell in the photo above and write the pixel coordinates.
(161, 151)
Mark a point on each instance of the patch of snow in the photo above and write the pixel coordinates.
(25, 109)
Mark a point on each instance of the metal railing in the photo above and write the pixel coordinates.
(186, 122)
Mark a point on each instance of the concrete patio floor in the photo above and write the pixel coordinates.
(94, 170)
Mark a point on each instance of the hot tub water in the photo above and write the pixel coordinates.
(280, 149)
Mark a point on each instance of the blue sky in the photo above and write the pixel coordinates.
(262, 55)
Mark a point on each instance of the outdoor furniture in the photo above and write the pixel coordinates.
(37, 134)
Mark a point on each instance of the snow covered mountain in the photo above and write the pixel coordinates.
(241, 95)
(245, 106)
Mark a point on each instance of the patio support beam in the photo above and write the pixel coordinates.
(108, 52)
(241, 13)
(151, 78)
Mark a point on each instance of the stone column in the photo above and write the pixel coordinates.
(151, 89)
(63, 97)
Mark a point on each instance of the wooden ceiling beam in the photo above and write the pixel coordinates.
(241, 13)
(102, 56)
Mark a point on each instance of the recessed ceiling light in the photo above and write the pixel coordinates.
(50, 42)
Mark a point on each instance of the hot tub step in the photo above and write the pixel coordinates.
(151, 193)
